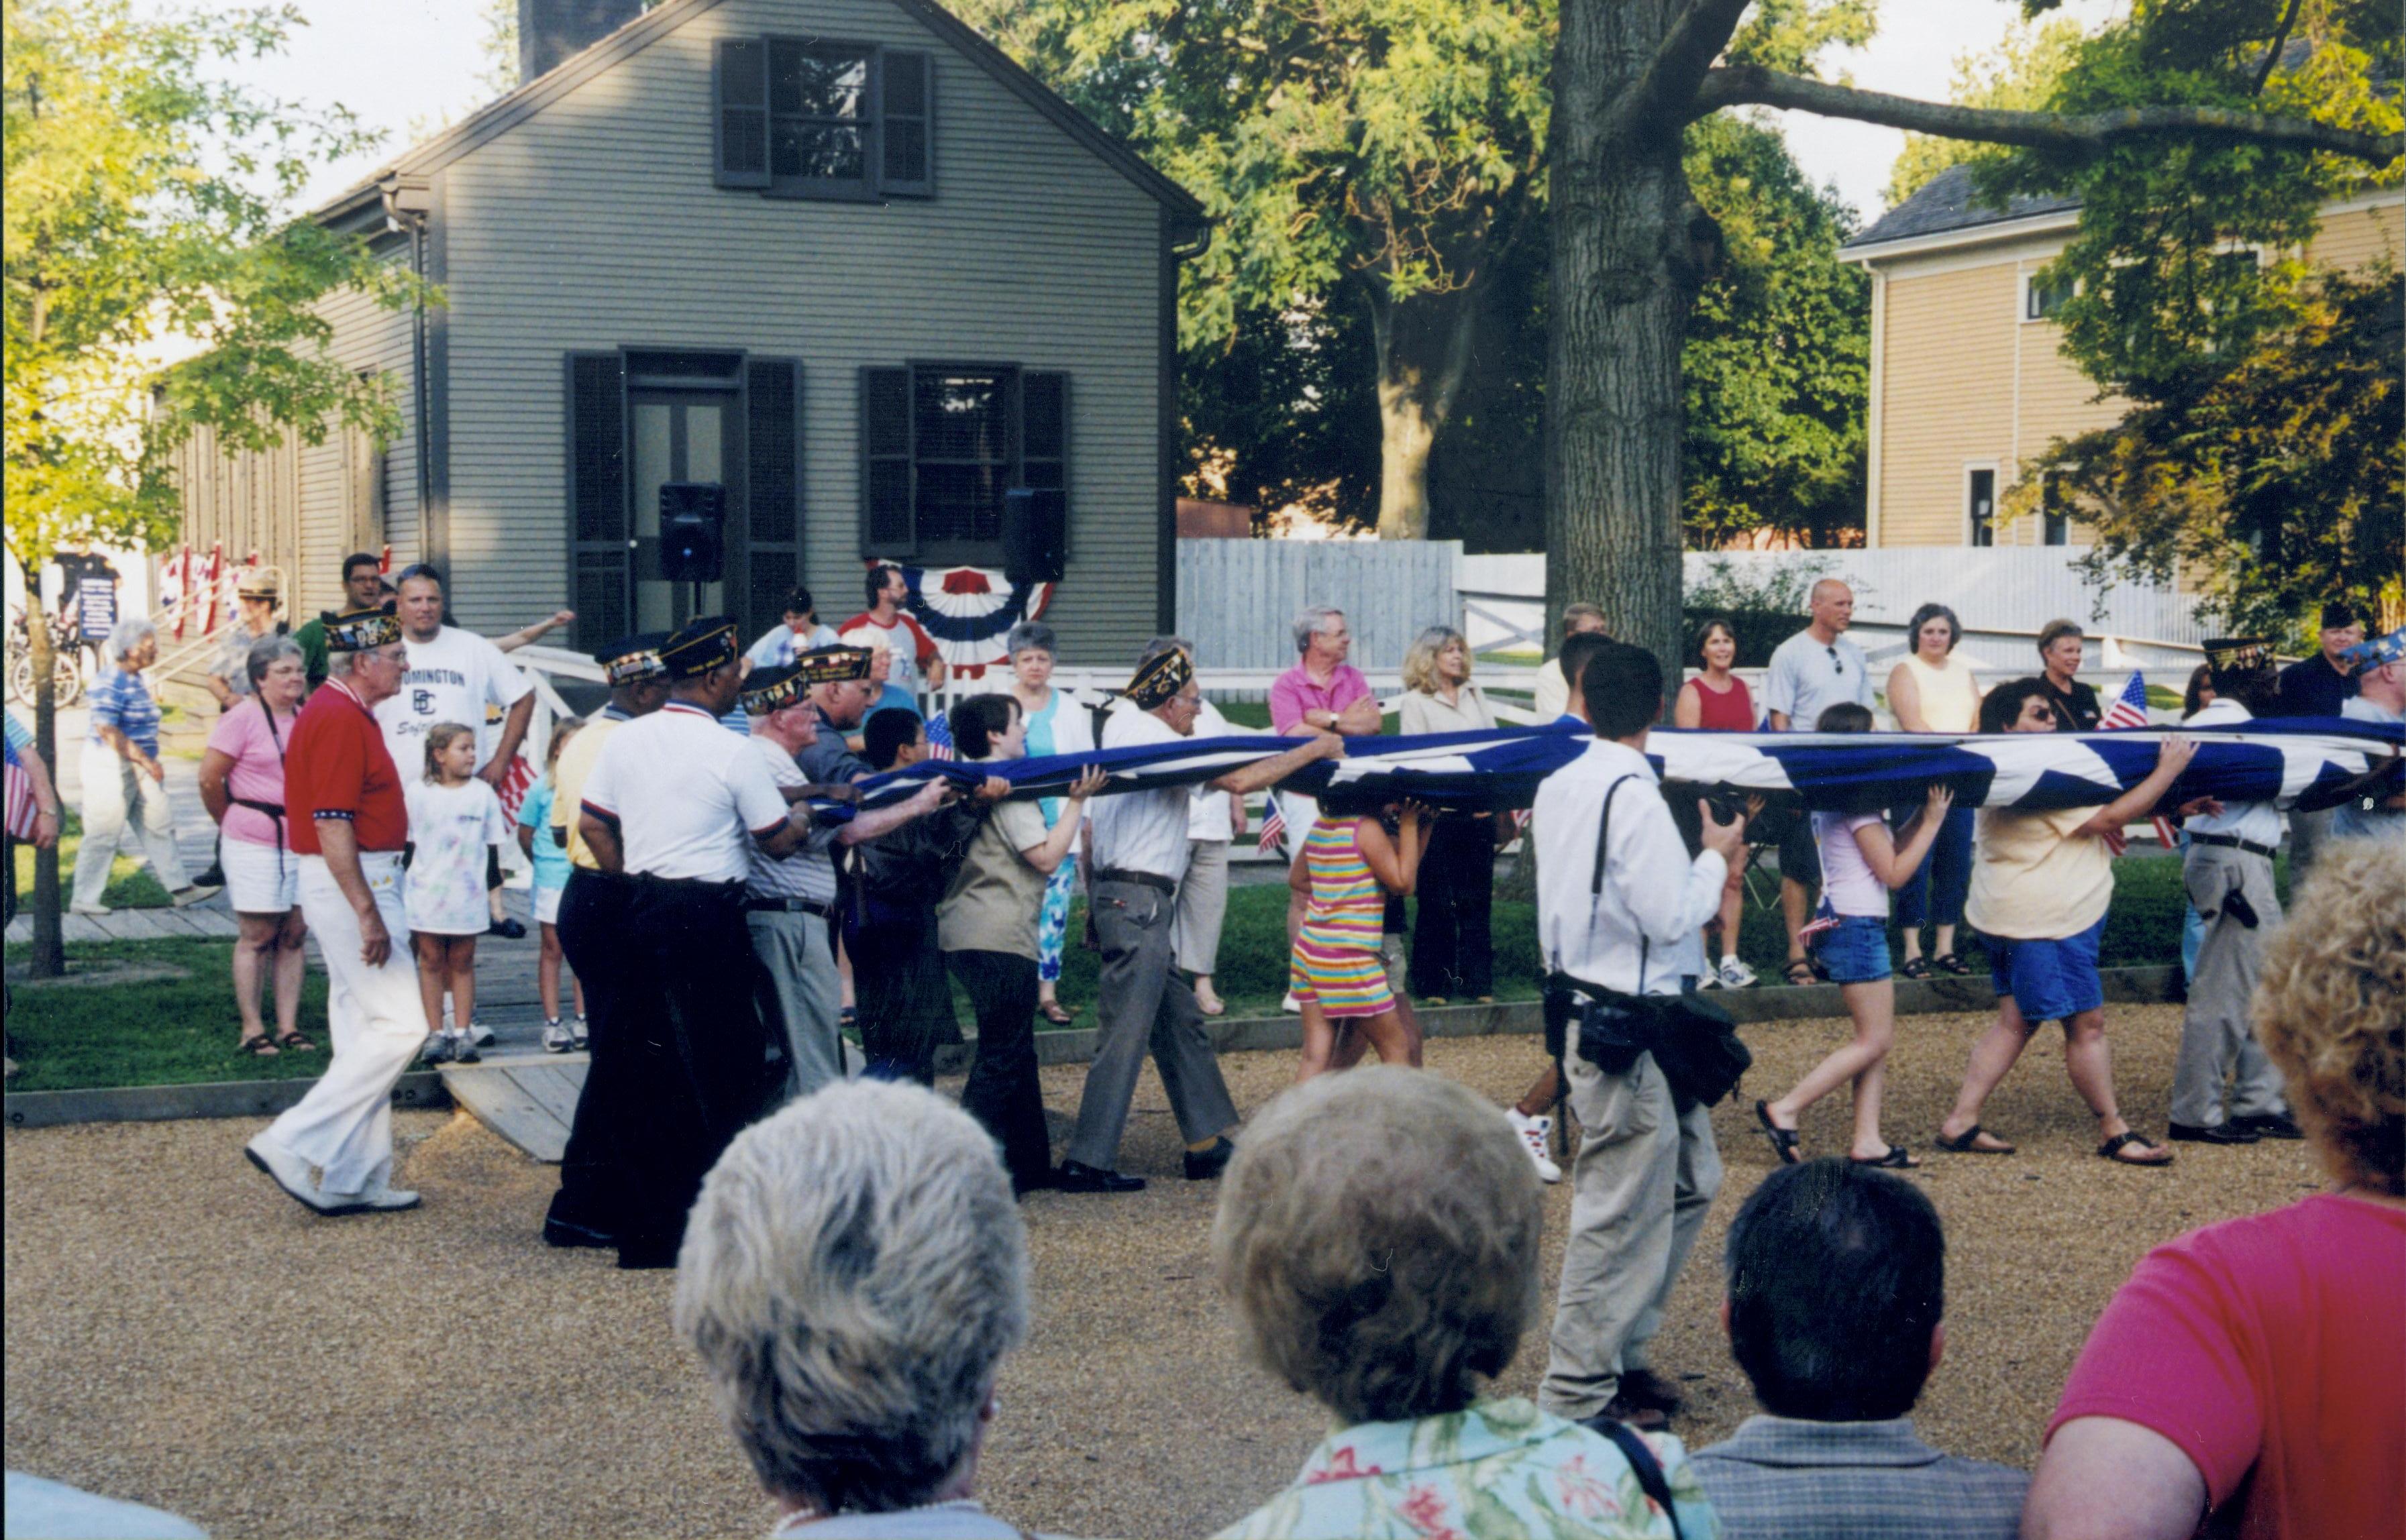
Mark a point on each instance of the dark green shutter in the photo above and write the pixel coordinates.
(599, 550)
(773, 440)
(906, 128)
(888, 522)
(1045, 430)
(739, 84)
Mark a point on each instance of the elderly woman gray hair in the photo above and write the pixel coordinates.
(126, 635)
(853, 1274)
(1378, 1235)
(1030, 633)
(263, 655)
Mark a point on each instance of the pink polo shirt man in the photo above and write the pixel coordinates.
(1293, 694)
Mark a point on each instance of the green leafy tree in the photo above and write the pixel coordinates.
(144, 208)
(1379, 154)
(2278, 484)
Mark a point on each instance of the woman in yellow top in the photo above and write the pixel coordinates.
(1932, 690)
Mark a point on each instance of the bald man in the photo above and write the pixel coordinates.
(1816, 669)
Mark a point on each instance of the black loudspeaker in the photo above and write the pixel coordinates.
(693, 531)
(1035, 535)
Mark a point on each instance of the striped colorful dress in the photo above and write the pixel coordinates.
(1335, 963)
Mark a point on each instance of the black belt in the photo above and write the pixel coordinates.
(789, 906)
(1142, 879)
(2232, 841)
(727, 889)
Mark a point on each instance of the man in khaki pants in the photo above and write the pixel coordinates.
(1647, 1170)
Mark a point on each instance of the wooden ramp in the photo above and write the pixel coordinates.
(528, 1099)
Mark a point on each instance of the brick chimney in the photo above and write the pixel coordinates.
(551, 31)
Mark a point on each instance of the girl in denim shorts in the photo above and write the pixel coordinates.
(1861, 864)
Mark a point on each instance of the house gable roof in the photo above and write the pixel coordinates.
(1949, 202)
(499, 117)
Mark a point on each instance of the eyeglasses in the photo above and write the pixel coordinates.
(2044, 714)
(1837, 664)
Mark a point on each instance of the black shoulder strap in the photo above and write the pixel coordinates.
(1602, 832)
(1643, 1464)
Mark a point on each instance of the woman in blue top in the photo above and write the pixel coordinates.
(550, 858)
(125, 784)
(1058, 723)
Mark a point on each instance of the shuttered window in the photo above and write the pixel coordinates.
(940, 444)
(772, 528)
(599, 549)
(797, 118)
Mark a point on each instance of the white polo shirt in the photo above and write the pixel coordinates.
(2258, 823)
(1141, 831)
(688, 796)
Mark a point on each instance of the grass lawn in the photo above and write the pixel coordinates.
(171, 1023)
(130, 882)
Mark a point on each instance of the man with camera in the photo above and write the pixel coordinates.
(1611, 926)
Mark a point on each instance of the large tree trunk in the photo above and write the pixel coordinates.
(1622, 281)
(1423, 347)
(50, 944)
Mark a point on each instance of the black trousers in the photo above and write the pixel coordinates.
(1453, 953)
(700, 1064)
(901, 1000)
(1004, 1093)
(592, 927)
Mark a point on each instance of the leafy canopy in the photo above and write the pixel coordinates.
(144, 218)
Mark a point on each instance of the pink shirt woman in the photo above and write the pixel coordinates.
(242, 785)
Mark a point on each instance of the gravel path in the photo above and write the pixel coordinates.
(179, 1334)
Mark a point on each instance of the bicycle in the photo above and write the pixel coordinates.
(67, 646)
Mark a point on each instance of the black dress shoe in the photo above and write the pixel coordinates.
(1621, 1410)
(2269, 1125)
(1645, 1387)
(566, 1233)
(636, 1256)
(1206, 1165)
(508, 925)
(1075, 1177)
(2220, 1132)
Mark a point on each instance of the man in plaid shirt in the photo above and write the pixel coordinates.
(1837, 1279)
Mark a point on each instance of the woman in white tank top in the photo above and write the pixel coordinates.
(1934, 691)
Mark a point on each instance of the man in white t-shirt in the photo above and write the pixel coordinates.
(886, 627)
(1136, 856)
(454, 675)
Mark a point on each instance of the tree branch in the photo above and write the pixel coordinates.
(2273, 50)
(1690, 45)
(1738, 84)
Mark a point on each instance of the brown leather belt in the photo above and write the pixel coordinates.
(2232, 841)
(1142, 879)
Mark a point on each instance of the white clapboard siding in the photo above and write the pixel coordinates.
(1238, 599)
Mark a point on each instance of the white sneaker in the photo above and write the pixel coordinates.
(1708, 980)
(580, 1037)
(81, 908)
(1292, 1006)
(1735, 974)
(464, 1047)
(287, 1170)
(1533, 1132)
(479, 1033)
(555, 1038)
(193, 893)
(437, 1049)
(387, 1199)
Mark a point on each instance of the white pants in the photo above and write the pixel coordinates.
(377, 1021)
(112, 790)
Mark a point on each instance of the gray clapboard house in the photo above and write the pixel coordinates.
(842, 257)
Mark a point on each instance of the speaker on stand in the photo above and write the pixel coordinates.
(1035, 535)
(693, 535)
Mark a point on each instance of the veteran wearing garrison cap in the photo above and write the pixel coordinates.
(2225, 1089)
(345, 821)
(790, 899)
(677, 804)
(1139, 853)
(592, 921)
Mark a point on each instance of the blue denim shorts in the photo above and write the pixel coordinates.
(1857, 952)
(2050, 980)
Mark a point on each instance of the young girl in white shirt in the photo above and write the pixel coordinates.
(1859, 865)
(454, 819)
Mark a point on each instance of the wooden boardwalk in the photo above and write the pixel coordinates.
(528, 1099)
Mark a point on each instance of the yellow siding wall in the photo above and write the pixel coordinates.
(1964, 381)
(1947, 397)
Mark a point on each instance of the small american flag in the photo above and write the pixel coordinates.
(516, 782)
(1273, 835)
(940, 736)
(1823, 919)
(22, 807)
(2129, 710)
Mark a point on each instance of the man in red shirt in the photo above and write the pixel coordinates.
(347, 823)
(884, 627)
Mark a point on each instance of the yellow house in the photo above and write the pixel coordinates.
(1967, 378)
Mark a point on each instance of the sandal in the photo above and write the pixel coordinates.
(1783, 1140)
(1963, 1144)
(258, 1046)
(1799, 972)
(1061, 1015)
(1897, 1159)
(1953, 964)
(1915, 968)
(295, 1042)
(2153, 1153)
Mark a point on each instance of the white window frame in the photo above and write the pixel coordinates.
(1996, 499)
(2024, 289)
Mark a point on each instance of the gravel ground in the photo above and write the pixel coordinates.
(180, 1334)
